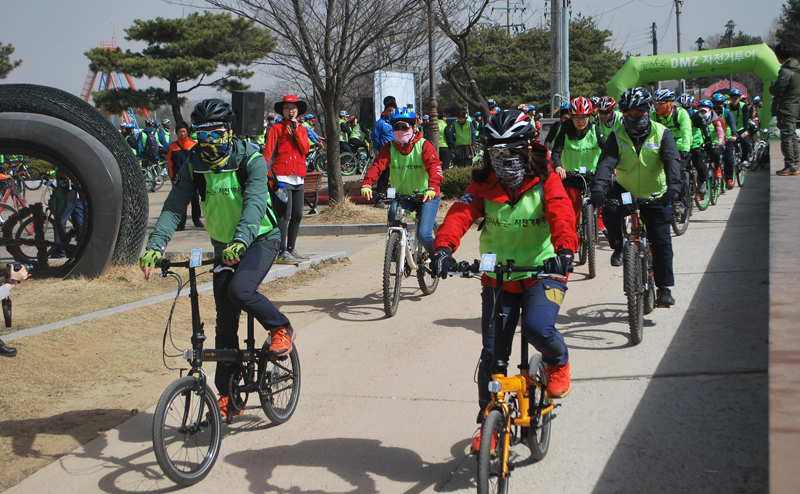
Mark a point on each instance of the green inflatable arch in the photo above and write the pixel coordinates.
(760, 59)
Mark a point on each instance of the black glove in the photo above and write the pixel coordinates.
(443, 262)
(560, 264)
(669, 197)
(684, 155)
(598, 199)
(709, 149)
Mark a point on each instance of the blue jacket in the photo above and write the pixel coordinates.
(312, 135)
(162, 139)
(382, 133)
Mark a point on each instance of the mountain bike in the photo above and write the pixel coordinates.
(739, 169)
(155, 172)
(761, 149)
(519, 410)
(316, 159)
(588, 231)
(187, 425)
(682, 208)
(27, 177)
(701, 202)
(404, 255)
(638, 282)
(716, 181)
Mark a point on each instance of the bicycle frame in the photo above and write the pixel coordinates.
(398, 225)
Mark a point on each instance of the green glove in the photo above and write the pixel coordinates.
(234, 251)
(150, 258)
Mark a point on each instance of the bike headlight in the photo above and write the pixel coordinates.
(495, 386)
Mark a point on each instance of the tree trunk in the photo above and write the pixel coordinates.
(175, 102)
(335, 185)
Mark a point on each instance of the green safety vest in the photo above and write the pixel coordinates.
(166, 136)
(677, 122)
(697, 135)
(642, 175)
(519, 232)
(737, 114)
(407, 172)
(355, 133)
(343, 137)
(225, 197)
(579, 153)
(308, 126)
(606, 131)
(442, 140)
(463, 137)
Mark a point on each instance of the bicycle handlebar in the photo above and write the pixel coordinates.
(635, 201)
(165, 264)
(468, 269)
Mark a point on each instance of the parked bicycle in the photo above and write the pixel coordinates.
(316, 159)
(761, 149)
(404, 255)
(187, 425)
(26, 177)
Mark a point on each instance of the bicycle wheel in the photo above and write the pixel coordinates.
(186, 442)
(650, 292)
(32, 178)
(348, 163)
(158, 178)
(713, 187)
(581, 257)
(588, 227)
(701, 203)
(491, 475)
(279, 389)
(321, 162)
(148, 180)
(5, 212)
(538, 439)
(30, 254)
(392, 274)
(633, 290)
(757, 155)
(427, 281)
(741, 171)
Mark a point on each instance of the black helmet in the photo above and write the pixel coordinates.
(635, 97)
(212, 112)
(510, 128)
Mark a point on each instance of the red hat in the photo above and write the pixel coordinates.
(290, 98)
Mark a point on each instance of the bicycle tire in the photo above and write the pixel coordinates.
(427, 281)
(759, 152)
(30, 254)
(6, 211)
(321, 162)
(713, 187)
(177, 401)
(588, 227)
(538, 441)
(490, 463)
(633, 291)
(279, 376)
(392, 269)
(741, 171)
(649, 294)
(348, 163)
(581, 257)
(148, 180)
(680, 220)
(765, 157)
(32, 174)
(702, 204)
(158, 180)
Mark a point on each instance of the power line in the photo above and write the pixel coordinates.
(669, 19)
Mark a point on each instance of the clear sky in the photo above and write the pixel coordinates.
(50, 36)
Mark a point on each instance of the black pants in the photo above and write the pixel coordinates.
(728, 160)
(237, 291)
(356, 144)
(290, 226)
(195, 210)
(697, 158)
(657, 221)
(382, 186)
(744, 142)
(462, 156)
(445, 156)
(344, 147)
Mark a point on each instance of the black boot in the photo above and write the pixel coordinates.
(7, 351)
(616, 257)
(664, 298)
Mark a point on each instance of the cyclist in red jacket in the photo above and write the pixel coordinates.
(530, 219)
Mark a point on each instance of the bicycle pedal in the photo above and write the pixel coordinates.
(510, 467)
(662, 306)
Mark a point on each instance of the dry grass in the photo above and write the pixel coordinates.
(350, 213)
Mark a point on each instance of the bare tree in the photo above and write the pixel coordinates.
(333, 43)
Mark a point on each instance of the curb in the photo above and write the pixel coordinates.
(369, 229)
(277, 271)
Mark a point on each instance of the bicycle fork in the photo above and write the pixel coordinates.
(405, 248)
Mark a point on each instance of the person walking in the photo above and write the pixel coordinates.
(785, 93)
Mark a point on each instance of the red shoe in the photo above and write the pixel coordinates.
(559, 382)
(282, 339)
(729, 184)
(476, 441)
(225, 408)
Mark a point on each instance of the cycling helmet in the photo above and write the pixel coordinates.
(635, 98)
(212, 112)
(497, 109)
(309, 117)
(595, 100)
(664, 94)
(607, 103)
(707, 103)
(522, 107)
(756, 99)
(425, 118)
(477, 114)
(686, 100)
(403, 115)
(507, 129)
(565, 105)
(491, 103)
(165, 122)
(148, 122)
(735, 92)
(718, 98)
(343, 114)
(580, 106)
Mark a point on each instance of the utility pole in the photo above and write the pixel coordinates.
(555, 53)
(508, 8)
(565, 47)
(678, 4)
(433, 115)
(654, 36)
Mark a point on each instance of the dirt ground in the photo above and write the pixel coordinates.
(67, 386)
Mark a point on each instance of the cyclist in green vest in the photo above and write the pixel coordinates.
(675, 118)
(413, 166)
(731, 135)
(708, 141)
(445, 155)
(528, 219)
(741, 113)
(462, 133)
(357, 135)
(344, 133)
(608, 120)
(477, 121)
(231, 178)
(647, 163)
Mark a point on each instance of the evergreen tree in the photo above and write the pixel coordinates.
(6, 65)
(789, 26)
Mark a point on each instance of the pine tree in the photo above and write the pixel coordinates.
(6, 65)
(789, 26)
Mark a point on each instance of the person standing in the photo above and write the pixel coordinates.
(285, 151)
(381, 134)
(177, 156)
(14, 278)
(785, 93)
(462, 134)
(445, 155)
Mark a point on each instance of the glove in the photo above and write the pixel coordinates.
(150, 258)
(598, 199)
(669, 197)
(560, 264)
(429, 194)
(234, 251)
(709, 148)
(443, 262)
(366, 191)
(684, 155)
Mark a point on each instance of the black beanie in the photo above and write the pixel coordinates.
(389, 101)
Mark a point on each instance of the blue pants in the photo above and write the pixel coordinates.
(539, 306)
(74, 211)
(426, 216)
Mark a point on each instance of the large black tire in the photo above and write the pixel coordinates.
(490, 463)
(186, 457)
(633, 290)
(348, 163)
(55, 126)
(589, 229)
(392, 275)
(280, 387)
(713, 187)
(538, 439)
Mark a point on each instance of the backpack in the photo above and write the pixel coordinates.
(150, 145)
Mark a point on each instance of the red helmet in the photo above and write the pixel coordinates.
(580, 106)
(607, 103)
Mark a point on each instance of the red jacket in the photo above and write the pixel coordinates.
(290, 151)
(463, 214)
(181, 149)
(429, 157)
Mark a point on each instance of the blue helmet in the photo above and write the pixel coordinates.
(735, 92)
(565, 105)
(706, 103)
(756, 99)
(718, 98)
(686, 100)
(664, 94)
(403, 115)
(477, 114)
(309, 117)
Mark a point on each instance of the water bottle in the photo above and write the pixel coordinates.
(282, 193)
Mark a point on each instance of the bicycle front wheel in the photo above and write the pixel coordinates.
(187, 431)
(757, 156)
(713, 187)
(633, 290)
(539, 432)
(741, 171)
(280, 386)
(492, 470)
(682, 208)
(427, 281)
(348, 163)
(392, 274)
(589, 228)
(32, 178)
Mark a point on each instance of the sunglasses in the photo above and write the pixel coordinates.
(607, 112)
(214, 134)
(499, 152)
(401, 126)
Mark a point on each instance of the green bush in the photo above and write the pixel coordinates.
(455, 182)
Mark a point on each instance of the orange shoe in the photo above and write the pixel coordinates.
(476, 441)
(282, 339)
(226, 408)
(559, 382)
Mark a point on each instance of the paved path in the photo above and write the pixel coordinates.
(388, 405)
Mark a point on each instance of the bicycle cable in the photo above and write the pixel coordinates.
(168, 328)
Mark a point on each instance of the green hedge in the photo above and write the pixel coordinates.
(455, 182)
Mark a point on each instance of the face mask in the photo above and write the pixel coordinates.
(637, 126)
(214, 148)
(707, 116)
(665, 109)
(510, 169)
(403, 136)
